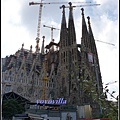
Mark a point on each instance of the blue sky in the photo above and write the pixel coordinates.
(19, 25)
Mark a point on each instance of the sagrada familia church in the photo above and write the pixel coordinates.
(58, 70)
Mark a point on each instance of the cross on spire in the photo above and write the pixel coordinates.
(88, 20)
(82, 11)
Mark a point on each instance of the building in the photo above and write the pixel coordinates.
(52, 112)
(61, 72)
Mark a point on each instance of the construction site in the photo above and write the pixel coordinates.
(61, 81)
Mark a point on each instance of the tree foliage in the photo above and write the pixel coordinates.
(109, 108)
(11, 107)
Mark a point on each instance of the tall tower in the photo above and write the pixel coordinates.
(63, 85)
(88, 46)
(75, 67)
(90, 63)
(95, 55)
(68, 61)
(65, 68)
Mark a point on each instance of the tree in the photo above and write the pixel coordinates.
(89, 89)
(11, 107)
(110, 107)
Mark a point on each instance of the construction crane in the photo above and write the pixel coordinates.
(52, 28)
(70, 3)
(38, 35)
(105, 42)
(111, 83)
(38, 3)
(85, 6)
(40, 13)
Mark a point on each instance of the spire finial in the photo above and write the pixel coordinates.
(37, 43)
(53, 40)
(43, 38)
(88, 20)
(31, 47)
(70, 4)
(82, 11)
(22, 45)
(63, 6)
(53, 44)
(42, 49)
(90, 30)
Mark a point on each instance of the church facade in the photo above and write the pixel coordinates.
(70, 71)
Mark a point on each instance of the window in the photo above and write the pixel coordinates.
(6, 78)
(8, 88)
(18, 80)
(21, 74)
(10, 73)
(63, 81)
(11, 79)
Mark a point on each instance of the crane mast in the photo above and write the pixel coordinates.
(45, 78)
(52, 28)
(40, 13)
(39, 21)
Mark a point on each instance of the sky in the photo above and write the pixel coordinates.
(19, 25)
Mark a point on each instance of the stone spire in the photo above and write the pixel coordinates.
(42, 49)
(63, 25)
(89, 27)
(22, 46)
(95, 54)
(22, 51)
(71, 28)
(84, 29)
(63, 32)
(91, 38)
(29, 55)
(37, 46)
(31, 48)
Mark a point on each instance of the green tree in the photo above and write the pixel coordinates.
(89, 88)
(11, 107)
(109, 108)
